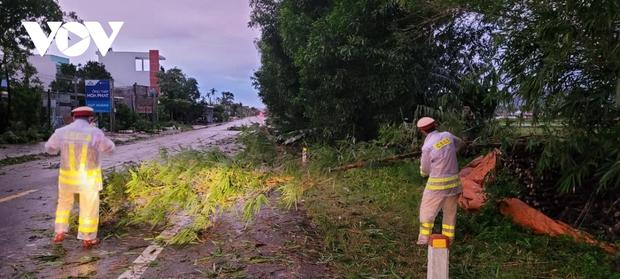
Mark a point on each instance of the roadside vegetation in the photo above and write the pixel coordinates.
(369, 219)
(366, 217)
(196, 183)
(19, 159)
(539, 79)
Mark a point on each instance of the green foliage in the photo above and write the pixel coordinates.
(27, 104)
(71, 77)
(18, 159)
(114, 197)
(344, 69)
(93, 70)
(125, 118)
(220, 114)
(560, 60)
(368, 218)
(258, 146)
(368, 63)
(252, 207)
(368, 221)
(199, 184)
(144, 125)
(583, 158)
(403, 136)
(15, 46)
(30, 135)
(180, 95)
(493, 247)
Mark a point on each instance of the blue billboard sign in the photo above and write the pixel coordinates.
(98, 95)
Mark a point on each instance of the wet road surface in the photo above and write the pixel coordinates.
(28, 194)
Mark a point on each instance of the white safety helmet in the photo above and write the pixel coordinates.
(426, 123)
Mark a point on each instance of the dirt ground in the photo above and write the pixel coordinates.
(278, 243)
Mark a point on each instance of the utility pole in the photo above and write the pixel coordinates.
(49, 109)
(134, 97)
(112, 110)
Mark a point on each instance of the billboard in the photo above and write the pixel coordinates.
(98, 95)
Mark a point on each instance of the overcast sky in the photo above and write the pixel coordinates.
(208, 39)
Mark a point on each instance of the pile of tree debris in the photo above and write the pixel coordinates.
(581, 207)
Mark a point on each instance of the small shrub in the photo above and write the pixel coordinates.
(258, 146)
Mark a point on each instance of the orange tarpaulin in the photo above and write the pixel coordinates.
(528, 217)
(473, 177)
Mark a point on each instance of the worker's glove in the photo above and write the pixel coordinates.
(423, 174)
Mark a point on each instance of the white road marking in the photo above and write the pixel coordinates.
(11, 197)
(141, 264)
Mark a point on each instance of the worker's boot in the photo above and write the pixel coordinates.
(422, 240)
(59, 237)
(87, 244)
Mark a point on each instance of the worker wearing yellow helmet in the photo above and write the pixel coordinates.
(80, 145)
(439, 163)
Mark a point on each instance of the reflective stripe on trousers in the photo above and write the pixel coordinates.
(89, 212)
(429, 208)
(443, 183)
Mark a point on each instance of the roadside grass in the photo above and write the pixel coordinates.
(368, 218)
(19, 159)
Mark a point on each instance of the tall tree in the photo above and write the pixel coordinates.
(211, 93)
(91, 70)
(66, 78)
(562, 58)
(363, 63)
(15, 44)
(227, 98)
(179, 95)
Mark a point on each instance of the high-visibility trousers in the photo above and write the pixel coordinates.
(88, 215)
(430, 206)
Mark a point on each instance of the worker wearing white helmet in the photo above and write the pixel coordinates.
(439, 163)
(80, 146)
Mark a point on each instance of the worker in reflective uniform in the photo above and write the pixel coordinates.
(80, 145)
(439, 163)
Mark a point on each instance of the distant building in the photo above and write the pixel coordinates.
(129, 68)
(207, 116)
(137, 98)
(47, 67)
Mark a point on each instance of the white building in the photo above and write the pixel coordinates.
(129, 68)
(47, 67)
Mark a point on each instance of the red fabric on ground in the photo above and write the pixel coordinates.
(527, 216)
(473, 177)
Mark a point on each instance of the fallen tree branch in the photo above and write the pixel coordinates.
(363, 163)
(360, 164)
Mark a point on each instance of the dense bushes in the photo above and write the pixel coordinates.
(342, 69)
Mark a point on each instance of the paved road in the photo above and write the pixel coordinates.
(28, 195)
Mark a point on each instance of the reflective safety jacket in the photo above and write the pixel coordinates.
(439, 162)
(79, 145)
